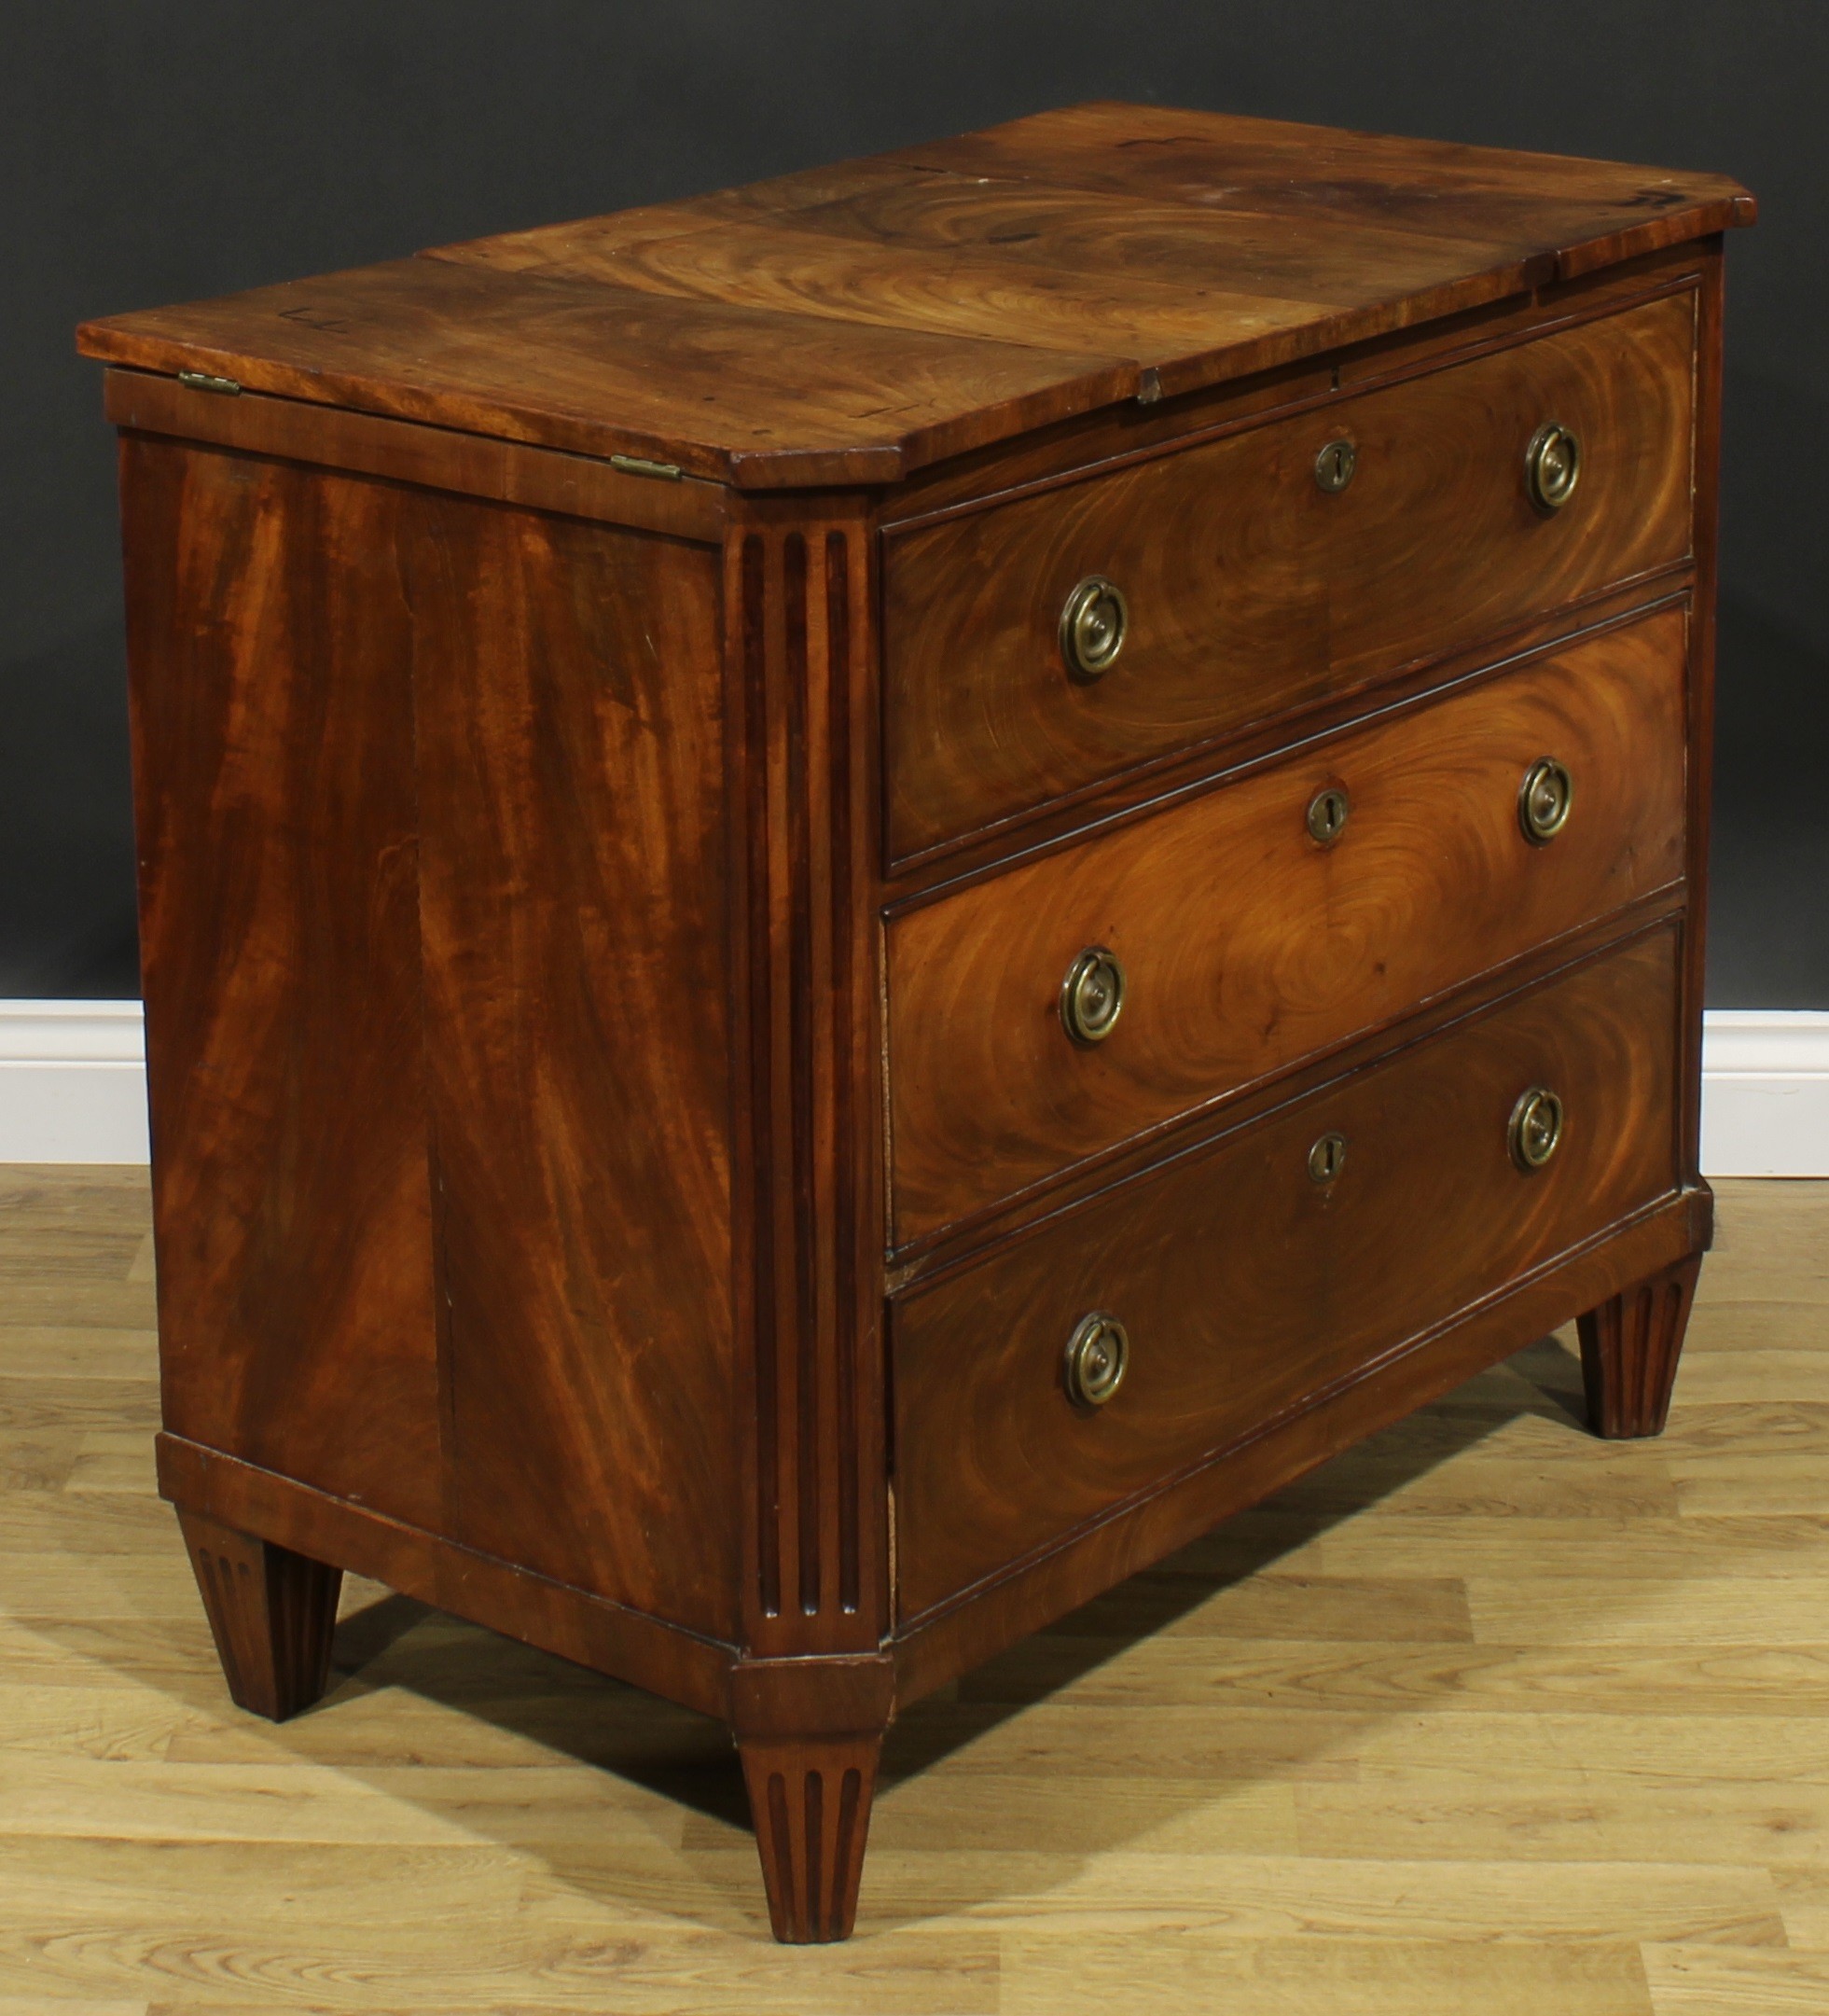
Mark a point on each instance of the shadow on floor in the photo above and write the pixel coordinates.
(707, 1874)
(687, 1757)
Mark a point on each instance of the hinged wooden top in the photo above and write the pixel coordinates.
(848, 324)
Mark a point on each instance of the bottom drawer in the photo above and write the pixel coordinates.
(1247, 1282)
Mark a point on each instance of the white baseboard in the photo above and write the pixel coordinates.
(1764, 1092)
(73, 1082)
(73, 1087)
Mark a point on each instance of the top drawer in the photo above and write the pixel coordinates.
(1251, 590)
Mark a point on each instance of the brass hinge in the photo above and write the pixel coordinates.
(640, 465)
(209, 382)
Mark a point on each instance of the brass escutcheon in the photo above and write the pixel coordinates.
(1092, 996)
(1327, 1158)
(1327, 815)
(1552, 465)
(1097, 1354)
(1536, 1132)
(1092, 627)
(1543, 800)
(1335, 465)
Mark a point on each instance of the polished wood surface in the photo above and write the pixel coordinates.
(1700, 817)
(1246, 945)
(748, 397)
(810, 1756)
(1069, 450)
(271, 1613)
(956, 1638)
(1251, 591)
(1484, 1714)
(454, 735)
(851, 323)
(273, 716)
(809, 1803)
(808, 1122)
(508, 472)
(569, 769)
(1629, 1347)
(503, 1595)
(612, 846)
(1427, 1212)
(1548, 211)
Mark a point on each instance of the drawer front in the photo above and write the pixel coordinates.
(1251, 591)
(1247, 946)
(1246, 1287)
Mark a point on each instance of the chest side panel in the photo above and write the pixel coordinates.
(270, 653)
(570, 763)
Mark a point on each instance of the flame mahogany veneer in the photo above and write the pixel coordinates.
(615, 820)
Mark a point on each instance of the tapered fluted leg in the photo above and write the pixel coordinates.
(271, 1613)
(810, 1732)
(1629, 1347)
(810, 1801)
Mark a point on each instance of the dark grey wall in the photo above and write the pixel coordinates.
(155, 153)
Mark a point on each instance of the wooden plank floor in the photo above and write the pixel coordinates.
(1487, 1717)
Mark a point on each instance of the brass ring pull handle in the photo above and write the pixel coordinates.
(1092, 996)
(1092, 626)
(1097, 1354)
(1327, 1158)
(1552, 465)
(1328, 809)
(1544, 800)
(1335, 465)
(1536, 1132)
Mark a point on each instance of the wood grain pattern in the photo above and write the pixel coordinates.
(992, 1462)
(1246, 945)
(269, 644)
(851, 323)
(271, 1613)
(558, 884)
(1709, 367)
(810, 1732)
(590, 1630)
(1065, 270)
(1069, 450)
(508, 472)
(1030, 1594)
(570, 787)
(797, 602)
(1629, 1348)
(1570, 215)
(1251, 591)
(1072, 261)
(748, 395)
(811, 1804)
(1482, 1714)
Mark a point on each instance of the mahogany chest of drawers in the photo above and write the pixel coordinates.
(861, 897)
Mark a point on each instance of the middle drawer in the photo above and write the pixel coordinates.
(1247, 944)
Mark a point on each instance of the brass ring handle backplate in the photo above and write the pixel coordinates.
(1544, 800)
(1092, 996)
(1536, 1132)
(1097, 1354)
(1092, 625)
(1552, 465)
